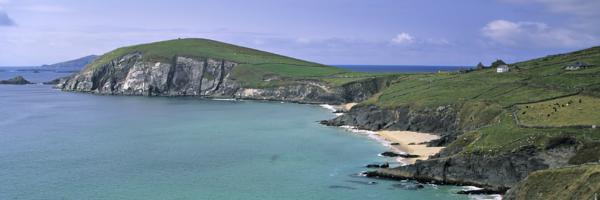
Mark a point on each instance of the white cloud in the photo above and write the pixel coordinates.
(534, 34)
(403, 38)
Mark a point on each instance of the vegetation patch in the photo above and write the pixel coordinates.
(568, 111)
(580, 182)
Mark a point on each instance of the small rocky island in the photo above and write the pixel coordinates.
(17, 80)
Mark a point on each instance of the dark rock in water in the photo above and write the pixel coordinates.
(372, 166)
(18, 80)
(408, 186)
(392, 154)
(478, 192)
(375, 165)
(384, 165)
(389, 154)
(341, 187)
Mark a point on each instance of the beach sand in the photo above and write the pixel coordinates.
(404, 138)
(346, 107)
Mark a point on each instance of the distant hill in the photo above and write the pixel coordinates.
(71, 65)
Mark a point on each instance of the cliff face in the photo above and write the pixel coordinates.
(184, 76)
(440, 120)
(132, 76)
(573, 182)
(494, 172)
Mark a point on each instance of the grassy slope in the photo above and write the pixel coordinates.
(255, 66)
(488, 99)
(567, 111)
(581, 182)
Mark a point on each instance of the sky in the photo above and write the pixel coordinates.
(378, 32)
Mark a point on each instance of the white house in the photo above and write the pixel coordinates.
(502, 68)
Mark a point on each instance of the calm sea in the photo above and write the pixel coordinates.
(59, 145)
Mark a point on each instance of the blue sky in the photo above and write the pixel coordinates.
(421, 32)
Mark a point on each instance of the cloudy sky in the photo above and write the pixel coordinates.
(413, 32)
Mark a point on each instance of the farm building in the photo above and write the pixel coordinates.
(502, 69)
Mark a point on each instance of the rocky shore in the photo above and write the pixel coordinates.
(493, 172)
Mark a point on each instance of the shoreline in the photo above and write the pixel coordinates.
(401, 142)
(409, 142)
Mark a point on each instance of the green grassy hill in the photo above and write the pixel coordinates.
(254, 68)
(580, 182)
(488, 99)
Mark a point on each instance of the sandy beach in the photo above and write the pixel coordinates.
(410, 142)
(346, 107)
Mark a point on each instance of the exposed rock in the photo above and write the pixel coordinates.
(493, 172)
(375, 165)
(18, 80)
(477, 192)
(373, 118)
(393, 154)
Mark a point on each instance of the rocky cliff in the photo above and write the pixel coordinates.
(130, 75)
(493, 172)
(206, 77)
(453, 165)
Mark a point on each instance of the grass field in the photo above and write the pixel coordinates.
(580, 182)
(486, 99)
(568, 111)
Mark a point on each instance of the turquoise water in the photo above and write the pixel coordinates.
(58, 145)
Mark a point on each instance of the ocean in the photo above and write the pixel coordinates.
(61, 145)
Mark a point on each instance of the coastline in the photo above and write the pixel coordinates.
(400, 142)
(412, 143)
(405, 142)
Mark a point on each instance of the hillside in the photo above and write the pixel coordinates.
(579, 182)
(506, 125)
(71, 65)
(201, 67)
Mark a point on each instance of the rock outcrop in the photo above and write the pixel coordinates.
(441, 120)
(496, 172)
(131, 75)
(207, 77)
(18, 80)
